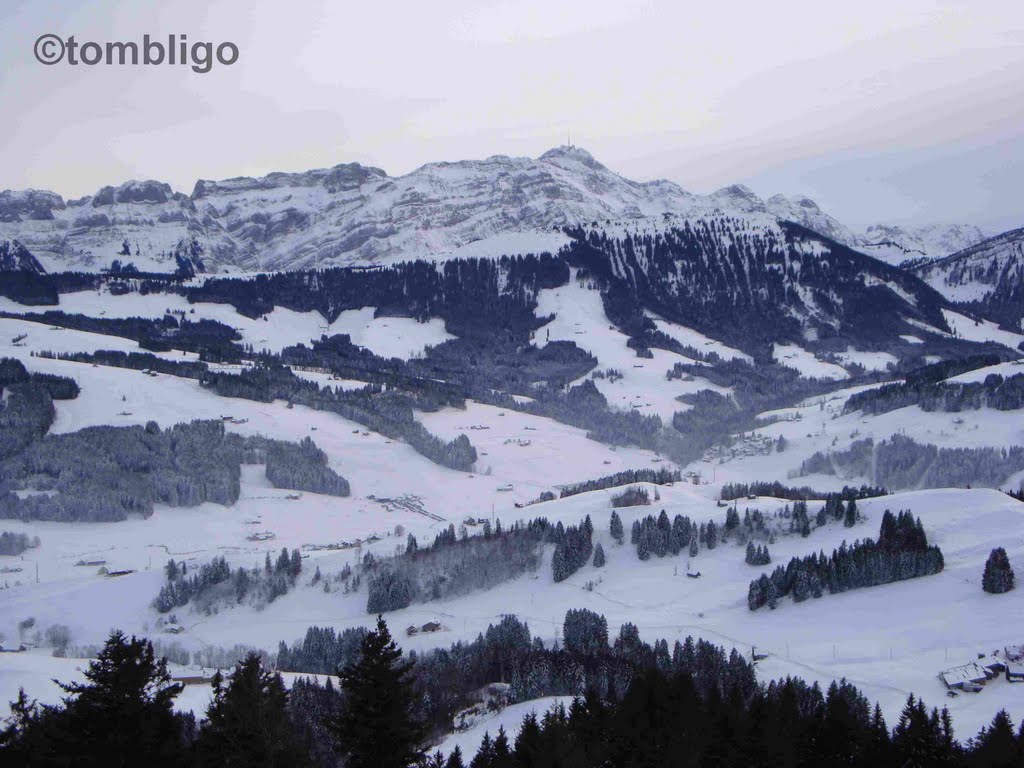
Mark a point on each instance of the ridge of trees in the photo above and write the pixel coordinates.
(901, 552)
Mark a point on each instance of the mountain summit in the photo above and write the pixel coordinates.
(353, 214)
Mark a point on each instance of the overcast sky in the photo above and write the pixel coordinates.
(906, 111)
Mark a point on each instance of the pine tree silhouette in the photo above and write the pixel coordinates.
(247, 721)
(998, 576)
(377, 729)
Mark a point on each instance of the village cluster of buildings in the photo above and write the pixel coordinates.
(972, 676)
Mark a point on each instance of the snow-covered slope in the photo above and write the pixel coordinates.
(944, 620)
(751, 280)
(988, 276)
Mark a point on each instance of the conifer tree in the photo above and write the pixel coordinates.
(376, 728)
(998, 576)
(455, 759)
(599, 559)
(122, 711)
(247, 722)
(996, 745)
(711, 535)
(616, 527)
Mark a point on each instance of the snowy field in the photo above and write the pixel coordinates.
(390, 336)
(853, 635)
(982, 330)
(800, 359)
(580, 318)
(386, 336)
(943, 620)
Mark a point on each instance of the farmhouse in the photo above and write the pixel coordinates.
(966, 677)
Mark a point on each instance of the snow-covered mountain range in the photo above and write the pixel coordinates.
(988, 276)
(353, 214)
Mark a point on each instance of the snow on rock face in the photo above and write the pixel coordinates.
(89, 234)
(134, 192)
(29, 204)
(895, 244)
(805, 211)
(353, 214)
(739, 197)
(15, 258)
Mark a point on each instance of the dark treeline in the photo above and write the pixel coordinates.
(303, 467)
(573, 548)
(901, 552)
(901, 462)
(322, 651)
(105, 473)
(584, 406)
(656, 476)
(490, 371)
(26, 413)
(13, 371)
(714, 417)
(14, 543)
(687, 274)
(945, 369)
(474, 296)
(215, 585)
(35, 289)
(659, 537)
(662, 719)
(448, 680)
(1002, 394)
(631, 497)
(137, 361)
(453, 566)
(209, 338)
(1004, 303)
(777, 490)
(387, 412)
(757, 555)
(469, 367)
(636, 705)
